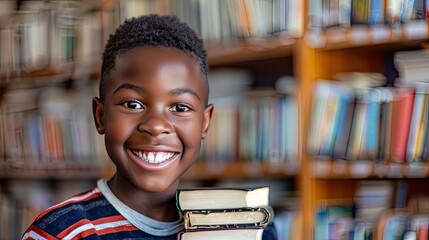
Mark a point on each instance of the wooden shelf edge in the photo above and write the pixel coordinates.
(225, 171)
(363, 36)
(249, 50)
(25, 170)
(363, 169)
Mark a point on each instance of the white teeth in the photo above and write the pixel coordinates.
(153, 157)
(159, 158)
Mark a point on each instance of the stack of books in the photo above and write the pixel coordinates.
(224, 213)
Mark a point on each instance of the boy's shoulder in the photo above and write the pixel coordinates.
(80, 211)
(77, 205)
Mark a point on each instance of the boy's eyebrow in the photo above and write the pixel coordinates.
(178, 91)
(129, 86)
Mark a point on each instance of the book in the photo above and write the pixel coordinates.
(402, 119)
(285, 224)
(359, 12)
(318, 133)
(372, 124)
(386, 127)
(357, 129)
(237, 218)
(395, 227)
(418, 123)
(223, 234)
(333, 220)
(345, 122)
(387, 221)
(412, 66)
(376, 12)
(222, 198)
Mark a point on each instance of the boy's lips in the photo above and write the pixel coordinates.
(153, 157)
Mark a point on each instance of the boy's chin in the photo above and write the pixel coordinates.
(159, 187)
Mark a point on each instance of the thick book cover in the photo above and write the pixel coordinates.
(222, 198)
(224, 234)
(230, 218)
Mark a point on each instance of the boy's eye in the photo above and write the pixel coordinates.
(133, 104)
(179, 108)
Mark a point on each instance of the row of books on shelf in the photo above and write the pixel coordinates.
(225, 20)
(356, 22)
(49, 125)
(371, 214)
(330, 13)
(257, 130)
(45, 35)
(259, 126)
(357, 117)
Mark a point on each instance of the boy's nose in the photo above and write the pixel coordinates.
(155, 124)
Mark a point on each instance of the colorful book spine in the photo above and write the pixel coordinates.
(359, 12)
(376, 12)
(357, 129)
(418, 123)
(403, 113)
(385, 124)
(372, 125)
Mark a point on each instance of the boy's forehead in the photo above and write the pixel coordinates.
(159, 57)
(164, 63)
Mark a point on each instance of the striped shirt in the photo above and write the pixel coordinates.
(98, 214)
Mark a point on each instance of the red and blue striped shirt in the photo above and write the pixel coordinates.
(91, 215)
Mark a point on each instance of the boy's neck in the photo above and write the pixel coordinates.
(158, 206)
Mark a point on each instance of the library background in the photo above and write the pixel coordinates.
(324, 101)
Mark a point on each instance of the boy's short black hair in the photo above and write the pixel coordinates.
(152, 30)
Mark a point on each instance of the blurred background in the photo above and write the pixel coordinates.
(324, 101)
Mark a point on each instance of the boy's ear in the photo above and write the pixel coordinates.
(207, 118)
(98, 113)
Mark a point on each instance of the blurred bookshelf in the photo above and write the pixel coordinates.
(267, 62)
(361, 180)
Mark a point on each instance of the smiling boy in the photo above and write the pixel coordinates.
(153, 111)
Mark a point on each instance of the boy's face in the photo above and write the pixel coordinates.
(154, 116)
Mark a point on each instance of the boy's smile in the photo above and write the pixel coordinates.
(154, 116)
(153, 157)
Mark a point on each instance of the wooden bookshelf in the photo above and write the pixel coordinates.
(338, 180)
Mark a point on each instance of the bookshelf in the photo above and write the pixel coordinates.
(303, 49)
(338, 181)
